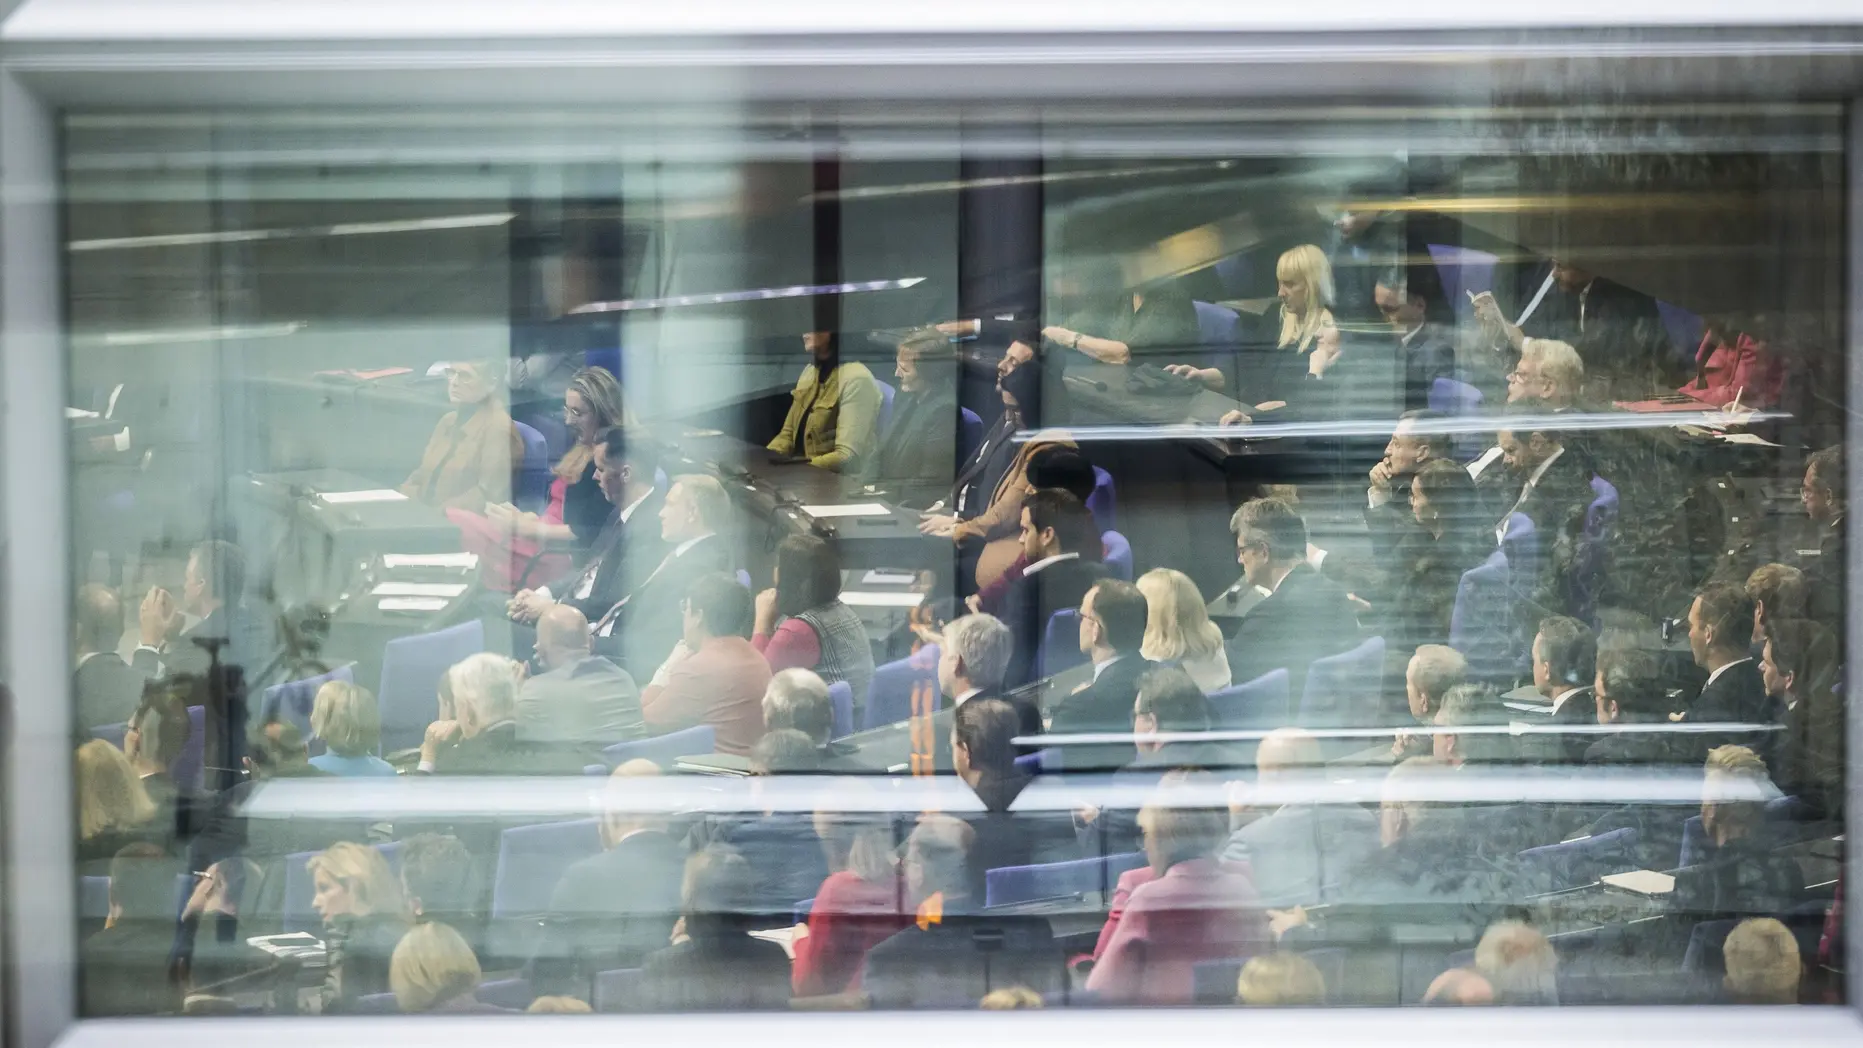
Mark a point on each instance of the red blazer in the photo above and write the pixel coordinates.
(1129, 882)
(1200, 910)
(1747, 367)
(850, 916)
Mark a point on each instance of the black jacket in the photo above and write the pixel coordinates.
(1738, 695)
(498, 751)
(1105, 705)
(1030, 601)
(647, 625)
(620, 556)
(610, 911)
(124, 971)
(360, 949)
(724, 972)
(918, 454)
(107, 689)
(976, 480)
(1307, 617)
(955, 962)
(1430, 355)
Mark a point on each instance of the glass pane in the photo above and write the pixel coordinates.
(723, 559)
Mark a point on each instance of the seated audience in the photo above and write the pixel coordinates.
(105, 687)
(213, 599)
(474, 449)
(1459, 987)
(1298, 849)
(1739, 873)
(1735, 367)
(1178, 628)
(152, 742)
(714, 676)
(482, 738)
(953, 953)
(1430, 673)
(1113, 617)
(1777, 592)
(1407, 296)
(917, 455)
(515, 546)
(346, 718)
(816, 632)
(985, 760)
(1298, 345)
(834, 413)
(1109, 324)
(433, 970)
(114, 809)
(798, 700)
(973, 659)
(1062, 467)
(1720, 630)
(626, 547)
(578, 697)
(1628, 692)
(714, 964)
(1170, 703)
(1195, 910)
(1763, 963)
(1429, 856)
(1305, 617)
(786, 858)
(1799, 665)
(1424, 570)
(1280, 979)
(365, 914)
(1519, 963)
(860, 905)
(1554, 481)
(123, 968)
(614, 908)
(1822, 494)
(1063, 551)
(643, 626)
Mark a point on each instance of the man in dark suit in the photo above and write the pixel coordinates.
(1554, 493)
(1822, 494)
(640, 629)
(579, 697)
(1618, 332)
(107, 689)
(1305, 617)
(613, 909)
(916, 460)
(1720, 630)
(1063, 552)
(212, 594)
(629, 544)
(482, 738)
(954, 955)
(1388, 519)
(125, 966)
(1112, 629)
(1426, 350)
(1565, 661)
(797, 699)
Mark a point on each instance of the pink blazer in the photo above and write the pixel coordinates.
(1200, 910)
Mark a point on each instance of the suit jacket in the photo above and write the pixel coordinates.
(469, 459)
(1200, 910)
(956, 961)
(1824, 577)
(996, 523)
(1430, 355)
(1306, 618)
(621, 557)
(124, 970)
(591, 701)
(1102, 706)
(832, 421)
(499, 751)
(646, 623)
(1580, 708)
(1737, 695)
(107, 688)
(1032, 599)
(723, 972)
(722, 685)
(610, 911)
(918, 453)
(1299, 851)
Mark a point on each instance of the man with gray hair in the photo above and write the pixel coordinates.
(1306, 615)
(1519, 963)
(479, 734)
(797, 699)
(972, 661)
(642, 627)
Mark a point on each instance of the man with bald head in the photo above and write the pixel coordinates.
(580, 697)
(107, 688)
(1299, 846)
(1459, 988)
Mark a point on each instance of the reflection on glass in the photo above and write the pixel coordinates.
(1355, 578)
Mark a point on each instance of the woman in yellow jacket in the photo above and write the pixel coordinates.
(833, 421)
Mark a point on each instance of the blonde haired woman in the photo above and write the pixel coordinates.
(346, 718)
(1301, 368)
(510, 542)
(114, 810)
(1178, 628)
(434, 970)
(365, 913)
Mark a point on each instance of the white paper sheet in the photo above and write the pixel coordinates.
(852, 509)
(412, 604)
(344, 498)
(463, 561)
(419, 589)
(888, 578)
(1643, 882)
(870, 599)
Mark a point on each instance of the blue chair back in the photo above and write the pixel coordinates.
(1259, 703)
(1216, 325)
(1574, 863)
(1458, 399)
(743, 578)
(1478, 624)
(291, 701)
(1118, 555)
(1060, 644)
(1008, 885)
(1463, 270)
(532, 859)
(608, 358)
(1707, 942)
(190, 763)
(889, 694)
(802, 909)
(1214, 982)
(1590, 561)
(663, 749)
(1041, 762)
(411, 670)
(969, 433)
(514, 994)
(886, 404)
(615, 990)
(1103, 503)
(1695, 843)
(1343, 690)
(111, 733)
(531, 478)
(1683, 328)
(841, 700)
(596, 770)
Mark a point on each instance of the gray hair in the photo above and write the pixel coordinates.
(1519, 963)
(1558, 363)
(985, 644)
(488, 683)
(1438, 667)
(708, 497)
(798, 698)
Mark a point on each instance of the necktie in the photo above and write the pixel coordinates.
(606, 625)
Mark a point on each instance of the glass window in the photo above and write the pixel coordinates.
(729, 559)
